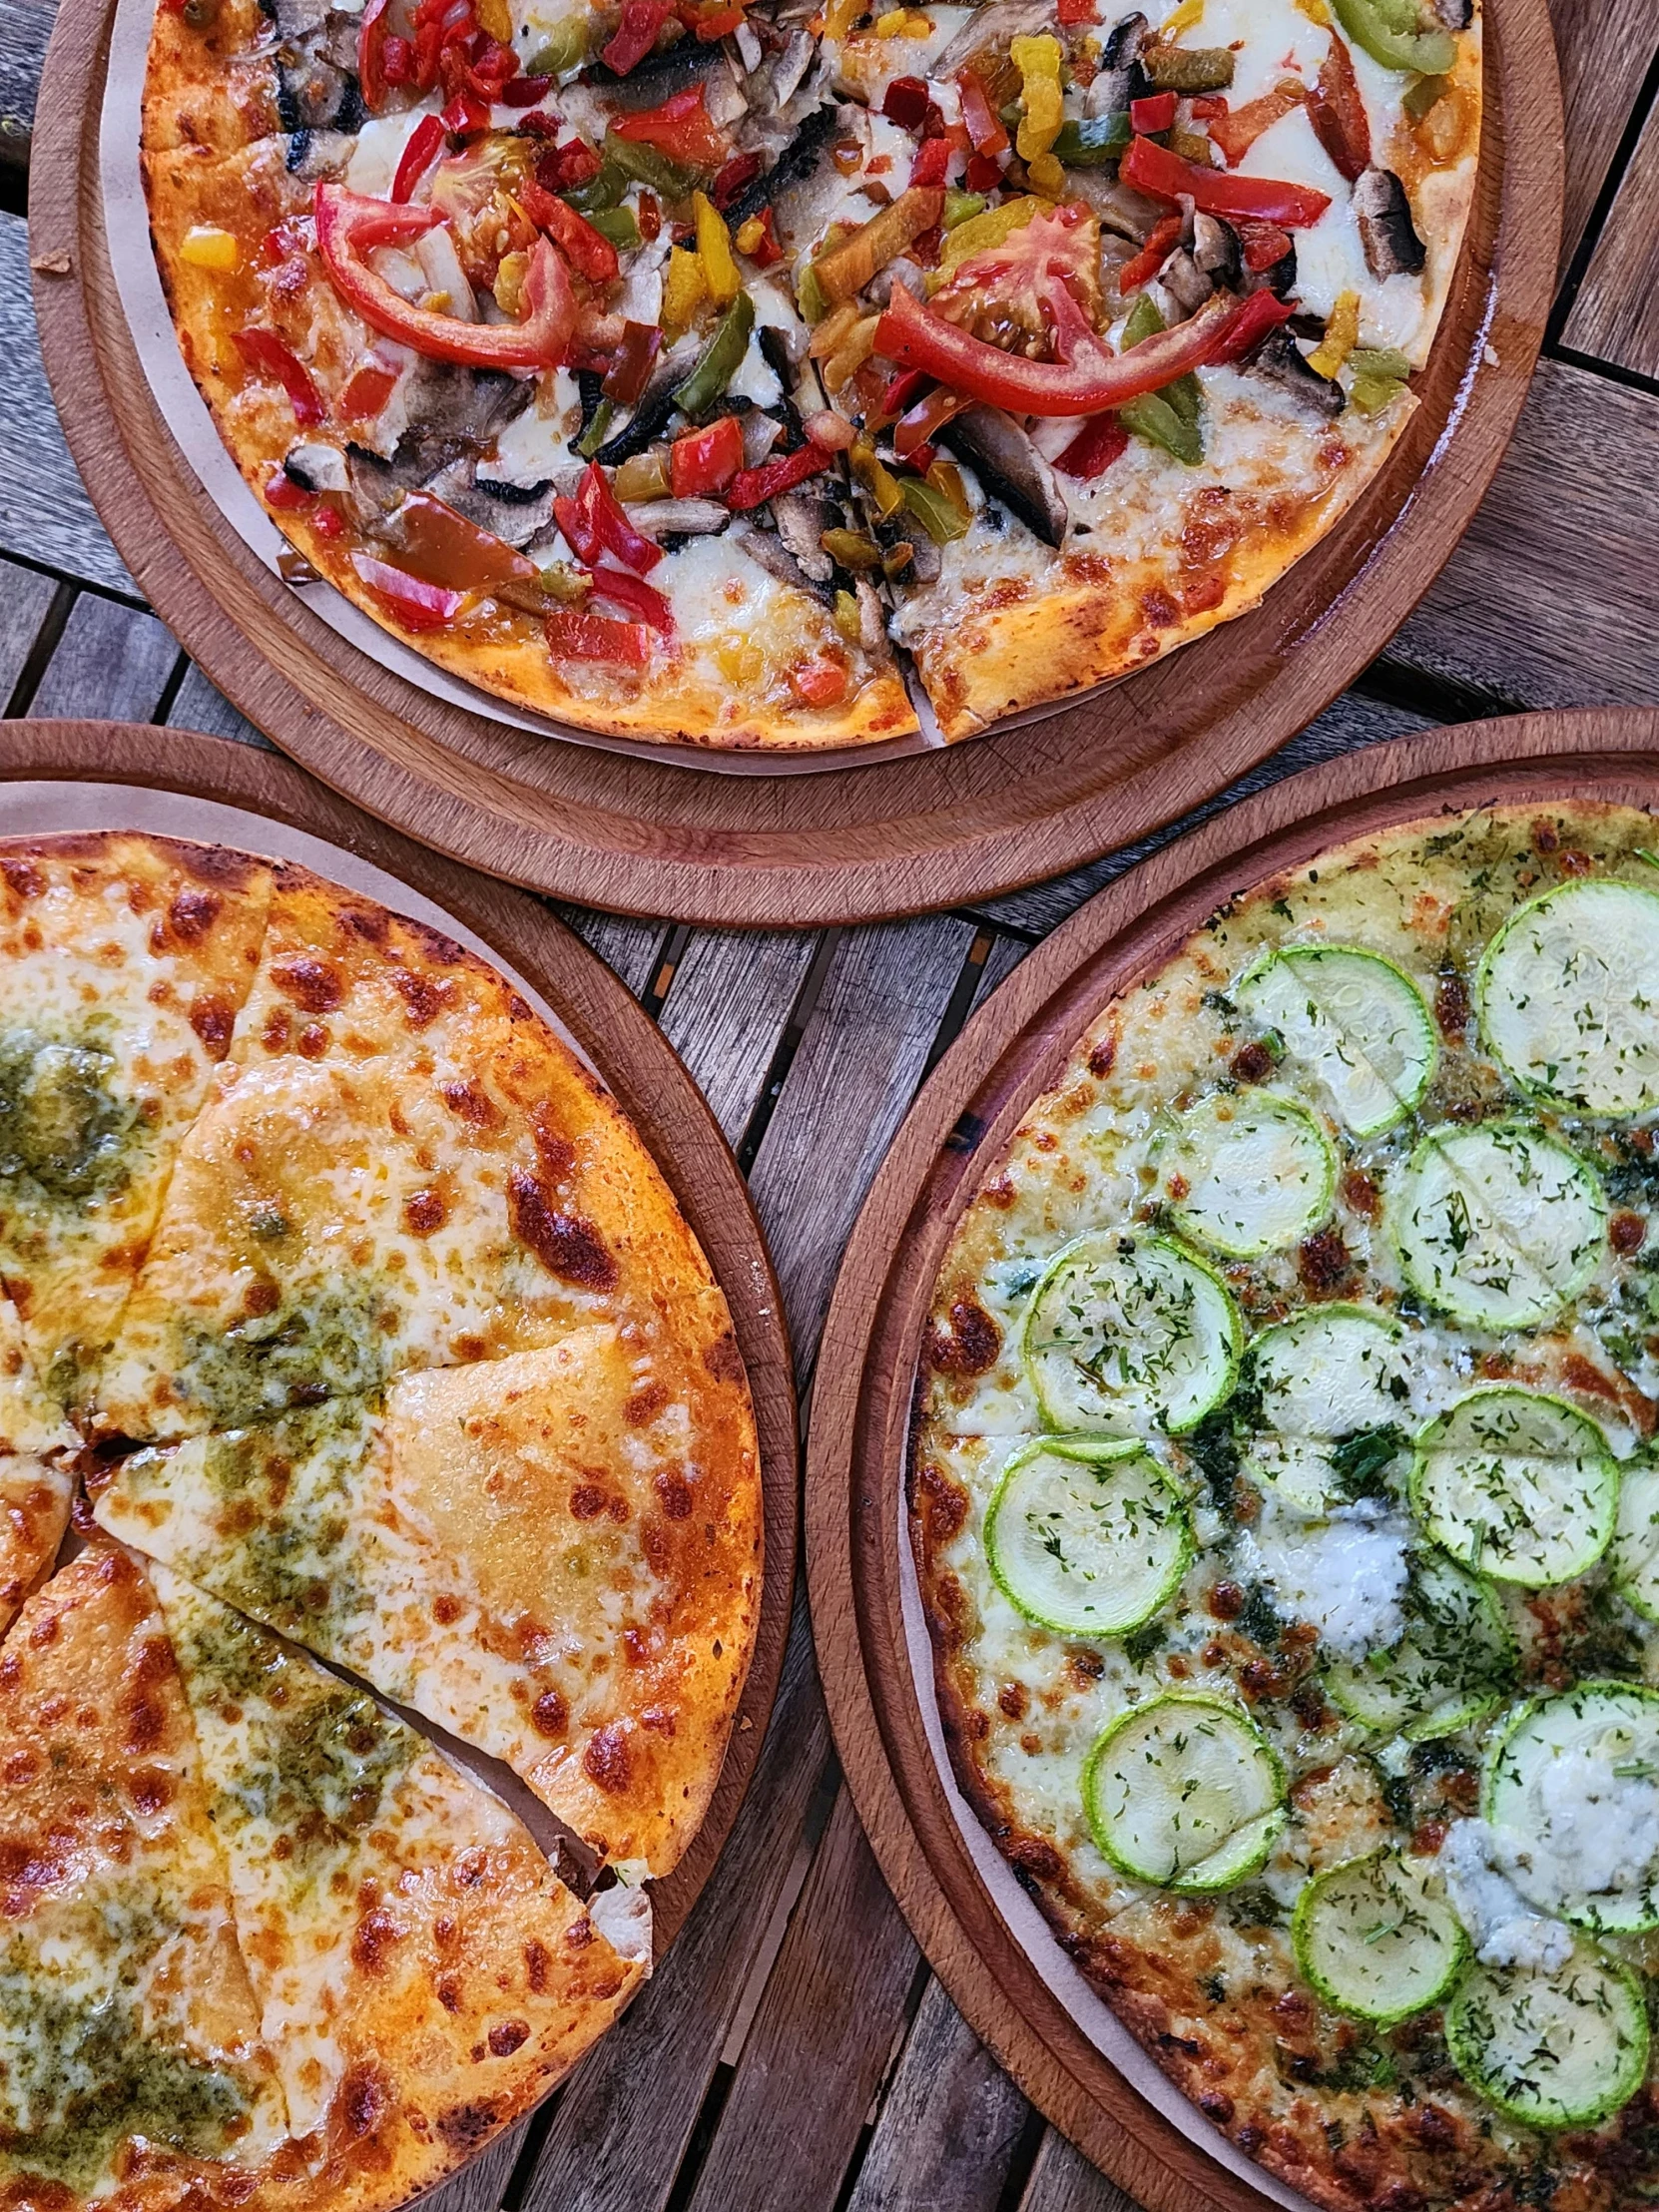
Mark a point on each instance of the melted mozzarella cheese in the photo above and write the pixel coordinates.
(536, 443)
(379, 148)
(1345, 1575)
(1504, 1927)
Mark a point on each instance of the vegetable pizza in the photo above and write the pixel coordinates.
(756, 373)
(359, 1373)
(1286, 1502)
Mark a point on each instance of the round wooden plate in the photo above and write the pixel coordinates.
(847, 844)
(960, 1127)
(634, 1060)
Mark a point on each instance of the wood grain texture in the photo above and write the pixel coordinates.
(862, 1391)
(624, 2120)
(821, 2039)
(1606, 48)
(25, 602)
(481, 2186)
(199, 706)
(949, 2123)
(44, 509)
(731, 999)
(859, 1061)
(647, 1080)
(111, 663)
(1615, 317)
(628, 949)
(1062, 2180)
(938, 828)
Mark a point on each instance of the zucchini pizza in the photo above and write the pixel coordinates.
(1284, 1496)
(757, 374)
(364, 1397)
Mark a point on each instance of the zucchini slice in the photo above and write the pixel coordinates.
(1086, 1537)
(1377, 1938)
(1249, 1172)
(1447, 1671)
(1633, 1554)
(1567, 997)
(1125, 1333)
(1498, 1226)
(1332, 1381)
(1516, 1484)
(1186, 1793)
(1574, 1781)
(1562, 2049)
(1352, 1021)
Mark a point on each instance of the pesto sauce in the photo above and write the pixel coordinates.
(66, 1137)
(294, 1483)
(320, 1343)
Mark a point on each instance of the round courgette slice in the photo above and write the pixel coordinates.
(1499, 1226)
(1248, 1172)
(1332, 1381)
(1633, 1555)
(1562, 2050)
(1567, 997)
(1352, 1021)
(1575, 1778)
(1126, 1332)
(1087, 1536)
(1449, 1669)
(1186, 1793)
(1516, 1484)
(1377, 1938)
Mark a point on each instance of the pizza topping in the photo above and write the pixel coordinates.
(1154, 170)
(1501, 1225)
(1086, 1537)
(1332, 1386)
(1377, 1938)
(1516, 1484)
(1572, 1793)
(1551, 2048)
(1127, 1331)
(1344, 1574)
(1185, 1792)
(1248, 1175)
(1567, 995)
(1350, 1019)
(1387, 232)
(1447, 1670)
(1398, 34)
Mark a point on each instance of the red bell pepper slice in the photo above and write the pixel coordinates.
(983, 125)
(643, 601)
(366, 391)
(1096, 446)
(419, 152)
(983, 174)
(1087, 378)
(903, 392)
(441, 546)
(1336, 111)
(820, 682)
(916, 429)
(579, 637)
(906, 103)
(264, 351)
(635, 35)
(932, 161)
(736, 173)
(282, 494)
(566, 168)
(466, 116)
(1153, 168)
(371, 43)
(397, 61)
(753, 487)
(588, 251)
(1166, 236)
(1235, 130)
(1076, 11)
(706, 460)
(1263, 244)
(1152, 114)
(1210, 106)
(636, 356)
(680, 128)
(525, 92)
(595, 523)
(348, 227)
(1262, 311)
(417, 603)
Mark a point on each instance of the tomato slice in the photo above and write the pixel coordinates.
(1004, 290)
(582, 637)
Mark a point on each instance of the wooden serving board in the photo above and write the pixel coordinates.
(631, 1056)
(931, 830)
(958, 1129)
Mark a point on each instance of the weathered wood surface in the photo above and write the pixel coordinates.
(791, 2052)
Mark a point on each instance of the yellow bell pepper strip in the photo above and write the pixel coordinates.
(878, 479)
(850, 355)
(204, 246)
(1038, 62)
(684, 287)
(714, 251)
(1187, 17)
(348, 227)
(1393, 33)
(840, 17)
(1341, 336)
(847, 269)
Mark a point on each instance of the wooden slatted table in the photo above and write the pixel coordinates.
(795, 2053)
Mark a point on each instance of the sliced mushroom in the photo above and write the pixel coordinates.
(1121, 208)
(799, 159)
(1392, 247)
(872, 618)
(803, 517)
(1282, 362)
(1010, 469)
(790, 68)
(1186, 284)
(1456, 15)
(767, 547)
(658, 75)
(924, 564)
(650, 417)
(1124, 42)
(680, 518)
(514, 513)
(316, 465)
(1216, 249)
(992, 25)
(458, 403)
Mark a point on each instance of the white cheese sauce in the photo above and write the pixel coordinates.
(1345, 1575)
(1504, 1927)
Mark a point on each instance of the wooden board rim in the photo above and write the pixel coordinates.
(937, 828)
(862, 1399)
(637, 1062)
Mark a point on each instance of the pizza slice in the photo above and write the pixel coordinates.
(35, 1501)
(124, 963)
(131, 2052)
(331, 1223)
(422, 1975)
(603, 1663)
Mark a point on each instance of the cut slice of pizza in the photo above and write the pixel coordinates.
(130, 2044)
(423, 1976)
(331, 1224)
(603, 1661)
(35, 1499)
(124, 963)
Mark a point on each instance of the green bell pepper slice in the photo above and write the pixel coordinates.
(719, 361)
(1152, 418)
(939, 516)
(643, 165)
(1103, 137)
(1392, 32)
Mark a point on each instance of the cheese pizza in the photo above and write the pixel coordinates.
(741, 373)
(347, 1316)
(1285, 1499)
